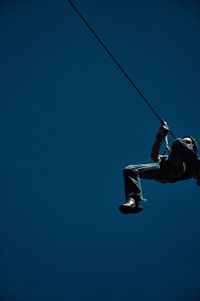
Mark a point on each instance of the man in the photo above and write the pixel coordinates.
(182, 163)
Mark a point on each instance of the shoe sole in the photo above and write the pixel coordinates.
(126, 210)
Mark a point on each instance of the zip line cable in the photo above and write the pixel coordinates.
(117, 63)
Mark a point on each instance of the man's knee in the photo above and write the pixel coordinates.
(130, 170)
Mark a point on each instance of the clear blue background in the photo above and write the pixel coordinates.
(70, 123)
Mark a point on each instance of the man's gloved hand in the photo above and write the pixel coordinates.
(163, 131)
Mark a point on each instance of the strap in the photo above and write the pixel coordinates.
(168, 149)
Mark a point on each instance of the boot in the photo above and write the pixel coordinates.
(131, 206)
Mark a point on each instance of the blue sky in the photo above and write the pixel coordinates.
(70, 123)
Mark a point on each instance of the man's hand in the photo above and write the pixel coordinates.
(163, 131)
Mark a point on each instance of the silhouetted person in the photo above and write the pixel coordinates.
(182, 163)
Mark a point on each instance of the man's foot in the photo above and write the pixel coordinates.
(131, 206)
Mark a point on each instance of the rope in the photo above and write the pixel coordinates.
(118, 64)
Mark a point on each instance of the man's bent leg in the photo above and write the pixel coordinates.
(133, 174)
(133, 190)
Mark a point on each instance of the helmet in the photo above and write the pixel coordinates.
(195, 145)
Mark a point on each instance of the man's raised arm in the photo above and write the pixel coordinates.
(160, 137)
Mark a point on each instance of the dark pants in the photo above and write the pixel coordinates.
(181, 164)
